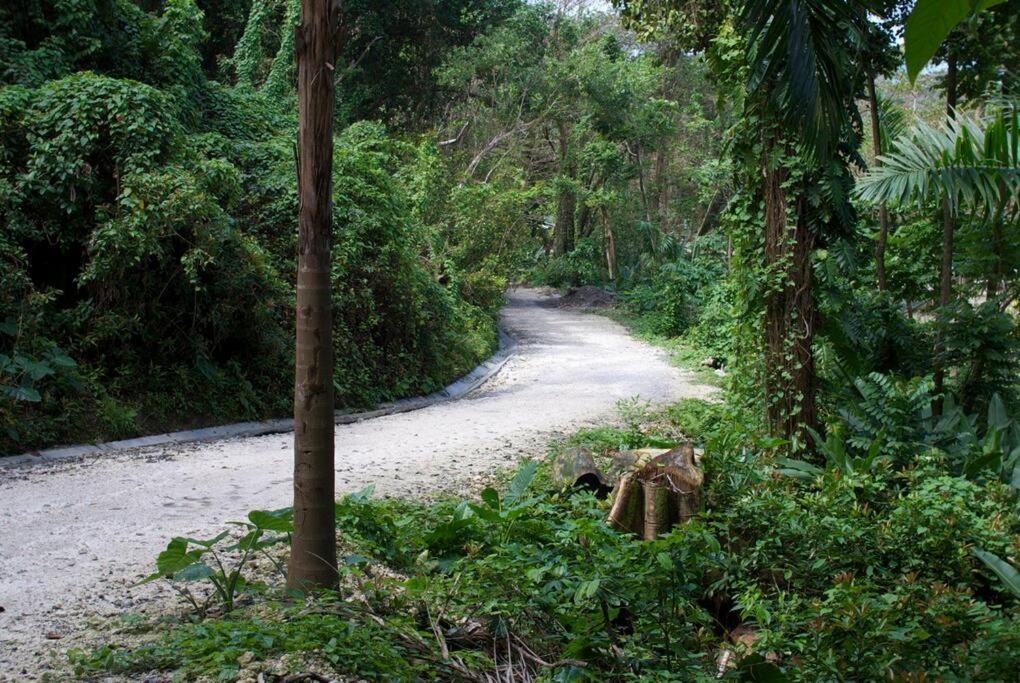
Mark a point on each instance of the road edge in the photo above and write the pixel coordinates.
(455, 390)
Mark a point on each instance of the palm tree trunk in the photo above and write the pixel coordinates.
(313, 543)
(883, 211)
(946, 274)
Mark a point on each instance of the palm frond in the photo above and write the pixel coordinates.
(973, 164)
(802, 62)
(892, 121)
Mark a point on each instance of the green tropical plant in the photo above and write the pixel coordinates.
(1009, 576)
(187, 560)
(802, 63)
(970, 162)
(930, 23)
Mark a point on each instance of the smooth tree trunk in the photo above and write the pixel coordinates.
(883, 211)
(790, 316)
(946, 275)
(313, 543)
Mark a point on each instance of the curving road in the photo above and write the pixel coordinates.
(75, 536)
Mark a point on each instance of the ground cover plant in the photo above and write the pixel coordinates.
(830, 567)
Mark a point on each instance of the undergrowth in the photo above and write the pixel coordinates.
(852, 573)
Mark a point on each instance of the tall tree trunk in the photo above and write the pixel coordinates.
(946, 275)
(883, 211)
(660, 183)
(610, 242)
(641, 182)
(313, 543)
(790, 317)
(585, 220)
(566, 201)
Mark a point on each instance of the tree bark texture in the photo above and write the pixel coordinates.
(790, 316)
(656, 494)
(313, 543)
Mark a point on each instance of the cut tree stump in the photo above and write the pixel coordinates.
(576, 468)
(662, 489)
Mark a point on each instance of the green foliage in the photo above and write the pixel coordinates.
(983, 344)
(970, 163)
(575, 269)
(930, 23)
(147, 228)
(860, 569)
(396, 331)
(187, 560)
(675, 295)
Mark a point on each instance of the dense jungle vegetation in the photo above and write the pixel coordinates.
(760, 182)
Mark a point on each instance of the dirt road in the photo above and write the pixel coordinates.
(75, 536)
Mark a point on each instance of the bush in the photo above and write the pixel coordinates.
(484, 288)
(575, 269)
(158, 260)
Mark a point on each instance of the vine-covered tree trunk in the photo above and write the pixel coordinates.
(790, 315)
(313, 543)
(883, 211)
(566, 202)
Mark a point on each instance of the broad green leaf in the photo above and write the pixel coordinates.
(798, 469)
(174, 559)
(930, 23)
(491, 498)
(61, 359)
(34, 369)
(997, 416)
(486, 513)
(197, 571)
(520, 482)
(982, 463)
(204, 542)
(273, 520)
(1004, 570)
(22, 393)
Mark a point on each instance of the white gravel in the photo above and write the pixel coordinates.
(74, 536)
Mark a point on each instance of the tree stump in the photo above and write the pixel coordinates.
(576, 468)
(658, 493)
